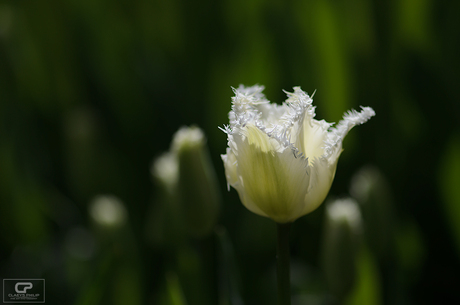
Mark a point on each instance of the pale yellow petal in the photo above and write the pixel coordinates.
(311, 136)
(275, 182)
(322, 175)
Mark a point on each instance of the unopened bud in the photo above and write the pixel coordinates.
(373, 194)
(108, 212)
(340, 245)
(197, 184)
(165, 170)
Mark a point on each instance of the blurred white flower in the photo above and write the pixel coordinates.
(166, 170)
(188, 138)
(108, 211)
(280, 159)
(345, 210)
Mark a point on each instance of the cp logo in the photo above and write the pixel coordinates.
(25, 286)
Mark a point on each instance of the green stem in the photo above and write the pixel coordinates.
(282, 264)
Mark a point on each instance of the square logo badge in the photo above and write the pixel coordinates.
(23, 291)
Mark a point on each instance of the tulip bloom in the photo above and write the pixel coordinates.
(279, 158)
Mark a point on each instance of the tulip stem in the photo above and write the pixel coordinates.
(282, 264)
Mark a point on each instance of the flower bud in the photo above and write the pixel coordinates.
(108, 212)
(372, 192)
(340, 245)
(197, 186)
(165, 171)
(165, 225)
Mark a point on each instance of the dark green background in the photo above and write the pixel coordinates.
(92, 91)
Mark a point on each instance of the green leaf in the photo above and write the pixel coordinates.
(174, 290)
(367, 289)
(449, 180)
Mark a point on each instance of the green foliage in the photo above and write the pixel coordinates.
(368, 287)
(449, 180)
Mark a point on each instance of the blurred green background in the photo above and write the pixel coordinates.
(92, 91)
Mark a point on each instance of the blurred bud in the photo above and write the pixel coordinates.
(108, 212)
(372, 192)
(197, 184)
(165, 171)
(341, 242)
(165, 225)
(189, 199)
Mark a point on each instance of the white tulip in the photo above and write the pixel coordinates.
(279, 158)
